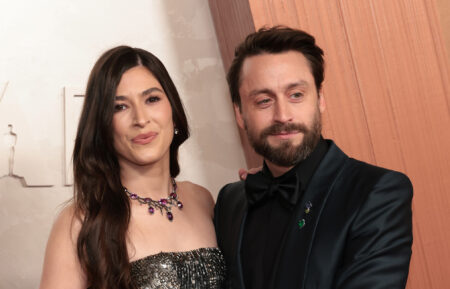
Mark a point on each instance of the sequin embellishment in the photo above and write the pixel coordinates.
(196, 269)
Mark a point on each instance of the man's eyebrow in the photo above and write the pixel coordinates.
(301, 83)
(260, 91)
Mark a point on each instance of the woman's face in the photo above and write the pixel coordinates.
(142, 122)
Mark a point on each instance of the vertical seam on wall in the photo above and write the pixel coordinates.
(441, 53)
(389, 89)
(355, 75)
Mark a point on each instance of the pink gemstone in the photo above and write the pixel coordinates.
(134, 196)
(173, 195)
(147, 200)
(151, 210)
(163, 201)
(169, 216)
(179, 205)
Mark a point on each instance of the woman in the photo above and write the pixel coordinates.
(130, 225)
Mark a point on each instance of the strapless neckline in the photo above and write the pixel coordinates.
(180, 253)
(198, 268)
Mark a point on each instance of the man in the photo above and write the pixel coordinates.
(313, 217)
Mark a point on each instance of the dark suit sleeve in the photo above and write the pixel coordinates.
(378, 250)
(217, 215)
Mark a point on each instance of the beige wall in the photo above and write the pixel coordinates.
(49, 45)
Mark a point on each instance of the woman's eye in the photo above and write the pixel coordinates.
(119, 107)
(153, 99)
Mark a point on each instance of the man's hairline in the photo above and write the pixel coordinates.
(263, 52)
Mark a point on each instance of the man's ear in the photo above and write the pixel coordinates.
(322, 105)
(238, 115)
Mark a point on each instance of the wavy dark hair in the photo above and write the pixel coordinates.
(277, 39)
(99, 199)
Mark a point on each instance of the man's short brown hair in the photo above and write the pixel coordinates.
(274, 40)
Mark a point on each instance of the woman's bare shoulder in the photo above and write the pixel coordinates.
(198, 193)
(61, 266)
(67, 223)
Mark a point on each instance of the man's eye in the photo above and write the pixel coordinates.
(296, 95)
(153, 99)
(263, 101)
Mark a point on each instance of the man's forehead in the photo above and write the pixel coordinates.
(268, 63)
(283, 70)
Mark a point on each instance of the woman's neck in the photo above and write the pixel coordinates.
(152, 181)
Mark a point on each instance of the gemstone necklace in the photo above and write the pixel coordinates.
(163, 204)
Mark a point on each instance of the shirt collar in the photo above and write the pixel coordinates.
(304, 169)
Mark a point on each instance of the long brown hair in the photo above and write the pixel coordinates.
(100, 202)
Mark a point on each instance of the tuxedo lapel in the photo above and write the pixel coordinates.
(238, 253)
(291, 265)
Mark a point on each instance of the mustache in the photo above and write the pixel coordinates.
(284, 127)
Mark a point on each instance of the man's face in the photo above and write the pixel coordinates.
(280, 107)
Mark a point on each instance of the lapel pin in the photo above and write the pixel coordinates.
(301, 223)
(308, 207)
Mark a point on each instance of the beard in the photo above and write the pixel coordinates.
(286, 154)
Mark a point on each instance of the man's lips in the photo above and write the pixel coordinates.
(144, 138)
(284, 134)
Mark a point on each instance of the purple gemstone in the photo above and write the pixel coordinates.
(151, 210)
(173, 195)
(147, 200)
(134, 196)
(163, 201)
(169, 216)
(180, 205)
(308, 205)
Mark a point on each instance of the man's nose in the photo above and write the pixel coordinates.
(282, 111)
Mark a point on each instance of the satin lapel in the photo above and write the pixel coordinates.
(238, 253)
(291, 265)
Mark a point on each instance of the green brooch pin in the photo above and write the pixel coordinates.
(301, 223)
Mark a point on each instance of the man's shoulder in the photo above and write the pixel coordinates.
(362, 177)
(361, 169)
(232, 192)
(365, 170)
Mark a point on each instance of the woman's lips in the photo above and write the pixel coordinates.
(144, 138)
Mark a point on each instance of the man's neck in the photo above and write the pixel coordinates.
(277, 170)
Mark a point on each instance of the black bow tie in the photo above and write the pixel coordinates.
(259, 187)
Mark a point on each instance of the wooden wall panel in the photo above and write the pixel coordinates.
(233, 21)
(443, 12)
(387, 93)
(407, 113)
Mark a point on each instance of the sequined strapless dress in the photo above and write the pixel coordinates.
(197, 269)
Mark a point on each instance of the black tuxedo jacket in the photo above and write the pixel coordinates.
(358, 233)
